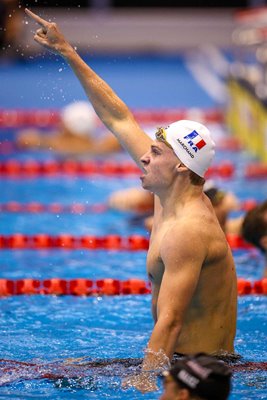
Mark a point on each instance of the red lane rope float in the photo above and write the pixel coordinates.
(70, 167)
(92, 242)
(76, 287)
(101, 287)
(256, 171)
(236, 242)
(70, 242)
(13, 167)
(77, 208)
(16, 118)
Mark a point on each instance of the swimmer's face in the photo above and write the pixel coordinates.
(159, 166)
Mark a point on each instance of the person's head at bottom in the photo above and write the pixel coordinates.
(198, 377)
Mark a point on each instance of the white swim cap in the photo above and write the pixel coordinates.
(192, 143)
(79, 117)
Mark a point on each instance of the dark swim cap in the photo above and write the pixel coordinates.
(203, 375)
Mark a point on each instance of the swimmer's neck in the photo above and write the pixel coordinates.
(176, 197)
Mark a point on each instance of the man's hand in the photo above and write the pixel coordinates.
(49, 35)
(144, 382)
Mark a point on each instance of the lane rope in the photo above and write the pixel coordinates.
(13, 167)
(32, 167)
(39, 241)
(78, 208)
(71, 242)
(99, 287)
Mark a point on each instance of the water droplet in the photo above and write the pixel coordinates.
(60, 70)
(26, 22)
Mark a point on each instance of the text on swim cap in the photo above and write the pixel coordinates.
(186, 148)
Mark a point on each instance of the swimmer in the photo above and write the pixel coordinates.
(74, 135)
(189, 262)
(224, 203)
(142, 201)
(254, 229)
(133, 199)
(197, 377)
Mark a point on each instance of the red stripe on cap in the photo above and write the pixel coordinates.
(201, 144)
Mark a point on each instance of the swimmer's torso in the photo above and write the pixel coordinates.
(209, 323)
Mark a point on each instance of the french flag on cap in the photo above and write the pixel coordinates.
(195, 139)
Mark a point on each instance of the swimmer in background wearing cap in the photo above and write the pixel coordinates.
(75, 135)
(198, 377)
(189, 262)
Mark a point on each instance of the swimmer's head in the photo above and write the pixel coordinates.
(215, 194)
(203, 376)
(191, 142)
(79, 118)
(254, 227)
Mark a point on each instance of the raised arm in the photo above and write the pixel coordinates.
(109, 107)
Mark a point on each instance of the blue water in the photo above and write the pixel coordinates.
(143, 82)
(52, 329)
(47, 329)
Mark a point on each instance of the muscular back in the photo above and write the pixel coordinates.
(190, 259)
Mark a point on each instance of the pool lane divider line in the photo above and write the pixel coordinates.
(80, 208)
(108, 286)
(17, 118)
(31, 167)
(70, 242)
(45, 241)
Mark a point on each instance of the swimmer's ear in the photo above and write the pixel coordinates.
(180, 167)
(263, 242)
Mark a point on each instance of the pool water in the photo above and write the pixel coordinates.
(48, 331)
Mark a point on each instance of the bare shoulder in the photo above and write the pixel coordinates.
(183, 240)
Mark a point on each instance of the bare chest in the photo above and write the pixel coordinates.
(155, 266)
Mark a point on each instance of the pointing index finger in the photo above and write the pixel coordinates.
(36, 18)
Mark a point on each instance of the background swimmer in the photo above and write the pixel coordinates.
(254, 229)
(76, 134)
(141, 201)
